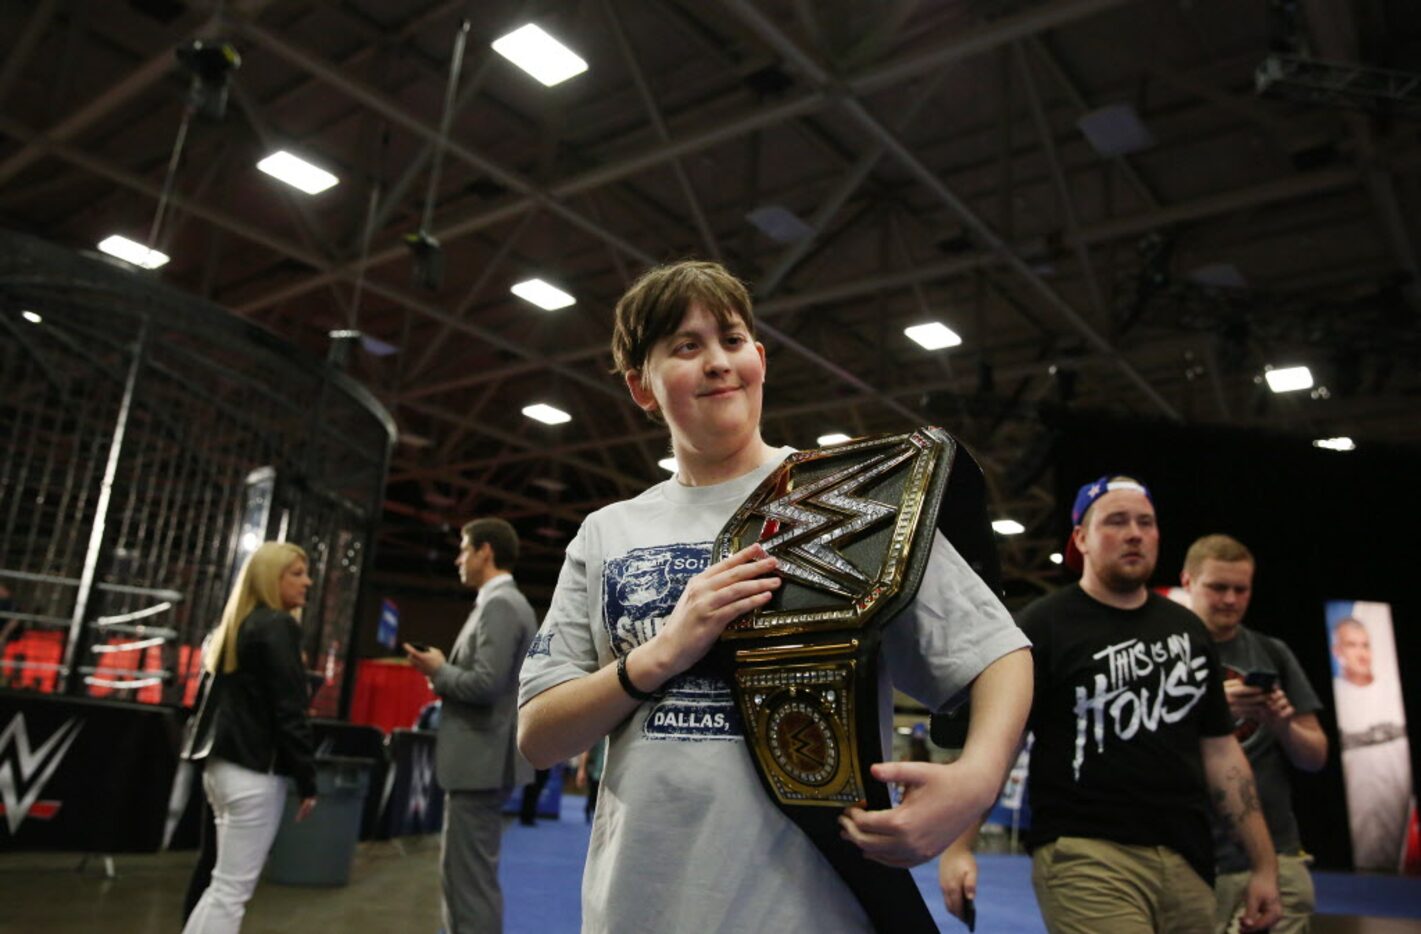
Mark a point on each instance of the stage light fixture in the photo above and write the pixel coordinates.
(539, 54)
(934, 335)
(832, 438)
(540, 293)
(1341, 443)
(1289, 378)
(33, 317)
(133, 252)
(1056, 557)
(428, 260)
(548, 415)
(1008, 527)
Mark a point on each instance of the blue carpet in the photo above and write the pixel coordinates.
(541, 873)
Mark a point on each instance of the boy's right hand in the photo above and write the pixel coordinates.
(712, 600)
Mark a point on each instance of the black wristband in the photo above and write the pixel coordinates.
(635, 692)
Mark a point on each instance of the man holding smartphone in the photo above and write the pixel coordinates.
(1276, 711)
(476, 761)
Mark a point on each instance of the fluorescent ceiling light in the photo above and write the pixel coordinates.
(297, 172)
(1336, 444)
(546, 414)
(547, 297)
(1289, 379)
(539, 54)
(33, 317)
(934, 335)
(779, 223)
(834, 438)
(1008, 527)
(131, 252)
(1116, 130)
(667, 464)
(1056, 557)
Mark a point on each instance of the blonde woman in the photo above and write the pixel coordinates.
(252, 730)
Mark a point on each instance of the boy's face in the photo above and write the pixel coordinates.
(705, 379)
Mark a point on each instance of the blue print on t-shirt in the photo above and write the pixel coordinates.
(639, 590)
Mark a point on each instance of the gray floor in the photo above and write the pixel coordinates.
(394, 887)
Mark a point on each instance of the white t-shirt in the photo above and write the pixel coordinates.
(685, 837)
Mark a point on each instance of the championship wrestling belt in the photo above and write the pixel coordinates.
(851, 526)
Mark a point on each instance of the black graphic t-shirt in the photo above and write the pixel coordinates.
(1122, 699)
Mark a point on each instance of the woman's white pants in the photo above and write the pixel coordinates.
(247, 807)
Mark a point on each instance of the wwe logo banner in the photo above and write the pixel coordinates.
(25, 770)
(85, 774)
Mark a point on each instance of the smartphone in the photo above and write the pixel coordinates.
(419, 646)
(1263, 680)
(969, 913)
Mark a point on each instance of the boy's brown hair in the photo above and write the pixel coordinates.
(657, 301)
(1223, 548)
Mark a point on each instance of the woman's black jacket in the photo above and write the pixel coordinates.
(256, 716)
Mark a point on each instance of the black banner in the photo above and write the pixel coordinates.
(415, 803)
(84, 775)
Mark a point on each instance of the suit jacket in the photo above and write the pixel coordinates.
(478, 726)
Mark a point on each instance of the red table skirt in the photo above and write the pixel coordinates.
(388, 694)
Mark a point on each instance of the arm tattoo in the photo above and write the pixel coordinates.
(1244, 799)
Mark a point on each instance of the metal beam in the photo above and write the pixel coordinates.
(132, 84)
(653, 112)
(1047, 16)
(1243, 199)
(771, 34)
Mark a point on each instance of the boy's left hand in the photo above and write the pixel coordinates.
(939, 803)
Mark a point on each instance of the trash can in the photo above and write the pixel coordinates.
(320, 849)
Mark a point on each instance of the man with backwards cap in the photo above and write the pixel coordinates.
(1134, 745)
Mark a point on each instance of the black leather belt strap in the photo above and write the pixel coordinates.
(851, 526)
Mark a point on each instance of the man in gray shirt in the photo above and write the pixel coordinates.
(1276, 709)
(476, 759)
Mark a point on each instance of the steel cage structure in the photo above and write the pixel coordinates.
(135, 417)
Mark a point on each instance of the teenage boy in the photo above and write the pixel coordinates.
(685, 837)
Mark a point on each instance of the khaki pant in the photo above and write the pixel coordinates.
(1294, 884)
(1090, 886)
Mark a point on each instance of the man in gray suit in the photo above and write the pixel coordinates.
(476, 759)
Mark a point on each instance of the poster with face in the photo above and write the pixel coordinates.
(1371, 723)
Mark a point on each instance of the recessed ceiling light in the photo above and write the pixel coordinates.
(1008, 527)
(934, 335)
(779, 223)
(33, 317)
(1342, 443)
(297, 172)
(833, 438)
(1219, 275)
(540, 293)
(1289, 379)
(546, 414)
(132, 252)
(1056, 557)
(667, 464)
(539, 54)
(1116, 130)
